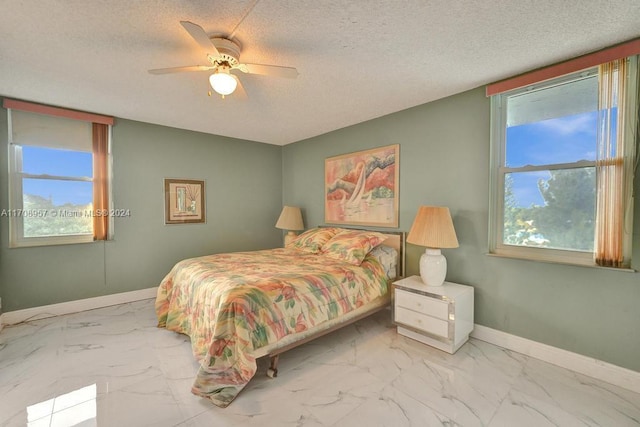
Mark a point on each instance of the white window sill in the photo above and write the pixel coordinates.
(574, 264)
(51, 241)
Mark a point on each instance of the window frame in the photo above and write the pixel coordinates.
(498, 172)
(15, 183)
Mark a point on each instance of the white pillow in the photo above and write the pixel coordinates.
(388, 257)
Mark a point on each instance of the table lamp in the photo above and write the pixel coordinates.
(291, 220)
(433, 228)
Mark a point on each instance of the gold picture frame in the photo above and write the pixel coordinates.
(361, 188)
(184, 201)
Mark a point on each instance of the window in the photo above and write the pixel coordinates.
(562, 167)
(58, 176)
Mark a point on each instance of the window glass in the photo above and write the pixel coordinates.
(559, 98)
(552, 209)
(549, 166)
(56, 207)
(65, 211)
(555, 124)
(561, 140)
(49, 161)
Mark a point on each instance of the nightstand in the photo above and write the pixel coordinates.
(440, 316)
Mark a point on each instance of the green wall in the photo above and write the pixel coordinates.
(243, 201)
(444, 160)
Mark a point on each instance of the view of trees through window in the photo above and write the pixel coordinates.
(56, 207)
(59, 220)
(545, 206)
(566, 220)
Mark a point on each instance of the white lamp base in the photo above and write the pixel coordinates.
(433, 267)
(289, 237)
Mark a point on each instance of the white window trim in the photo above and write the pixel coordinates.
(496, 179)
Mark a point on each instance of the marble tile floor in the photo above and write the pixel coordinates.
(113, 367)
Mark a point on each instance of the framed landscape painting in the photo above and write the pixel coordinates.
(362, 188)
(184, 201)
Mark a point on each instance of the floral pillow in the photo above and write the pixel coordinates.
(352, 245)
(313, 240)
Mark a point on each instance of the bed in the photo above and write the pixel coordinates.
(238, 307)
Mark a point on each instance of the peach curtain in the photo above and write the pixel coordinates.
(100, 181)
(610, 165)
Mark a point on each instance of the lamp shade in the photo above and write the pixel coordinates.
(290, 219)
(223, 82)
(433, 228)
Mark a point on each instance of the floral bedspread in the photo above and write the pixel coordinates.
(231, 304)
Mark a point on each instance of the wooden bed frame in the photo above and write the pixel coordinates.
(395, 240)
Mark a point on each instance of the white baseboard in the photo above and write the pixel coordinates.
(585, 365)
(34, 313)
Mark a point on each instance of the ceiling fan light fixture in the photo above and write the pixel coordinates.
(223, 83)
(223, 55)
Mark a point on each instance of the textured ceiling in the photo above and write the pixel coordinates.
(357, 60)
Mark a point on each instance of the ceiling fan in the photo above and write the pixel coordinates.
(223, 55)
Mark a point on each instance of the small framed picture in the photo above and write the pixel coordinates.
(184, 201)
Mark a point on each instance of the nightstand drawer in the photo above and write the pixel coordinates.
(422, 304)
(422, 322)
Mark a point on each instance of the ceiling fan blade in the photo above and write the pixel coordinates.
(181, 69)
(269, 70)
(201, 37)
(240, 93)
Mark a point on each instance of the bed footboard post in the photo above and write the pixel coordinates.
(272, 372)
